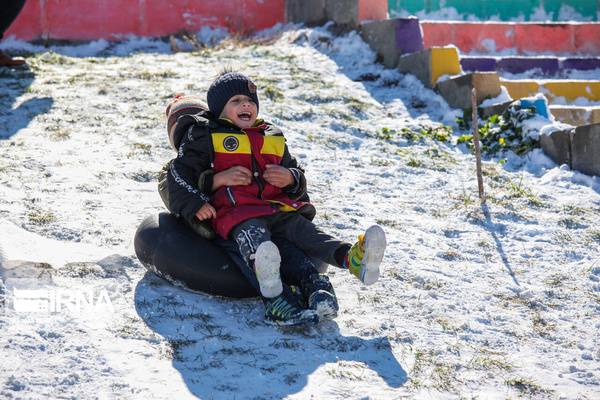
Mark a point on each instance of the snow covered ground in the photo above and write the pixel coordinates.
(502, 302)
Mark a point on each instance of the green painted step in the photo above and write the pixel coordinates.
(505, 10)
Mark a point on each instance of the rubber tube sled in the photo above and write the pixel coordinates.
(166, 246)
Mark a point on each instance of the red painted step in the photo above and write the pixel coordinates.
(482, 37)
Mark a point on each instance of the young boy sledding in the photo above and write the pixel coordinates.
(236, 170)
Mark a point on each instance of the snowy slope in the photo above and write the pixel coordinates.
(489, 303)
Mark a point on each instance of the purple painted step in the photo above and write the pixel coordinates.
(480, 64)
(392, 38)
(582, 64)
(408, 35)
(517, 65)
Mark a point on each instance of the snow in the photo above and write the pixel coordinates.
(503, 97)
(493, 302)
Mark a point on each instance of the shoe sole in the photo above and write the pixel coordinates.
(325, 311)
(327, 308)
(375, 245)
(267, 261)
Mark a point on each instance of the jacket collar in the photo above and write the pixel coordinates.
(259, 123)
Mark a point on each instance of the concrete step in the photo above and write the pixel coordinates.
(576, 115)
(516, 65)
(578, 148)
(430, 64)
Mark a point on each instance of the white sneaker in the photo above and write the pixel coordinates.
(365, 256)
(266, 266)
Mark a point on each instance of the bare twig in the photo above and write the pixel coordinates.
(476, 144)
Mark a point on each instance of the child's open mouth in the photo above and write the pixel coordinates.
(245, 116)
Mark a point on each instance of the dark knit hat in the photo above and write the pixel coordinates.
(225, 87)
(179, 106)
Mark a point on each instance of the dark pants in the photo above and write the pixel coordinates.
(295, 265)
(308, 241)
(9, 9)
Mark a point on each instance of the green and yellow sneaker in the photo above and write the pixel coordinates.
(365, 256)
(286, 310)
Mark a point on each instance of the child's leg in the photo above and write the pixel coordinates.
(284, 309)
(309, 238)
(362, 259)
(233, 251)
(254, 241)
(295, 264)
(298, 269)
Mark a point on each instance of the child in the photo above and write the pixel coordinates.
(235, 169)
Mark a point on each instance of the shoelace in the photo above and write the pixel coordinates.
(282, 308)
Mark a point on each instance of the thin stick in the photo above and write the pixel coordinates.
(476, 143)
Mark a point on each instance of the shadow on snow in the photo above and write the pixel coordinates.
(13, 84)
(221, 345)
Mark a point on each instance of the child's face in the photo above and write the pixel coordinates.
(241, 110)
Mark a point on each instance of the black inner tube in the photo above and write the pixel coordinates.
(166, 246)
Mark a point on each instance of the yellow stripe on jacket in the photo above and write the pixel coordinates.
(231, 143)
(273, 145)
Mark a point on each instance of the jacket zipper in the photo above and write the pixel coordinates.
(230, 195)
(255, 172)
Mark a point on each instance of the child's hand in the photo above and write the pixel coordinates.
(234, 176)
(278, 176)
(206, 212)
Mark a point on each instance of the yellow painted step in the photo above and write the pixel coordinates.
(444, 61)
(569, 89)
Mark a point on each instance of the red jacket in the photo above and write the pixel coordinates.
(219, 145)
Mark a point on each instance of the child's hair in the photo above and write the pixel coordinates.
(228, 84)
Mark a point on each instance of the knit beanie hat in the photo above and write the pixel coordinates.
(179, 106)
(225, 87)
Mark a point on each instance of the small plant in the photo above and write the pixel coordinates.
(436, 133)
(155, 75)
(466, 199)
(486, 362)
(273, 93)
(381, 162)
(556, 280)
(60, 134)
(357, 106)
(595, 235)
(541, 326)
(501, 132)
(40, 217)
(386, 134)
(415, 163)
(144, 148)
(519, 190)
(177, 346)
(526, 386)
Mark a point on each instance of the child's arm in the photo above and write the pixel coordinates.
(296, 188)
(193, 158)
(206, 212)
(234, 176)
(278, 176)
